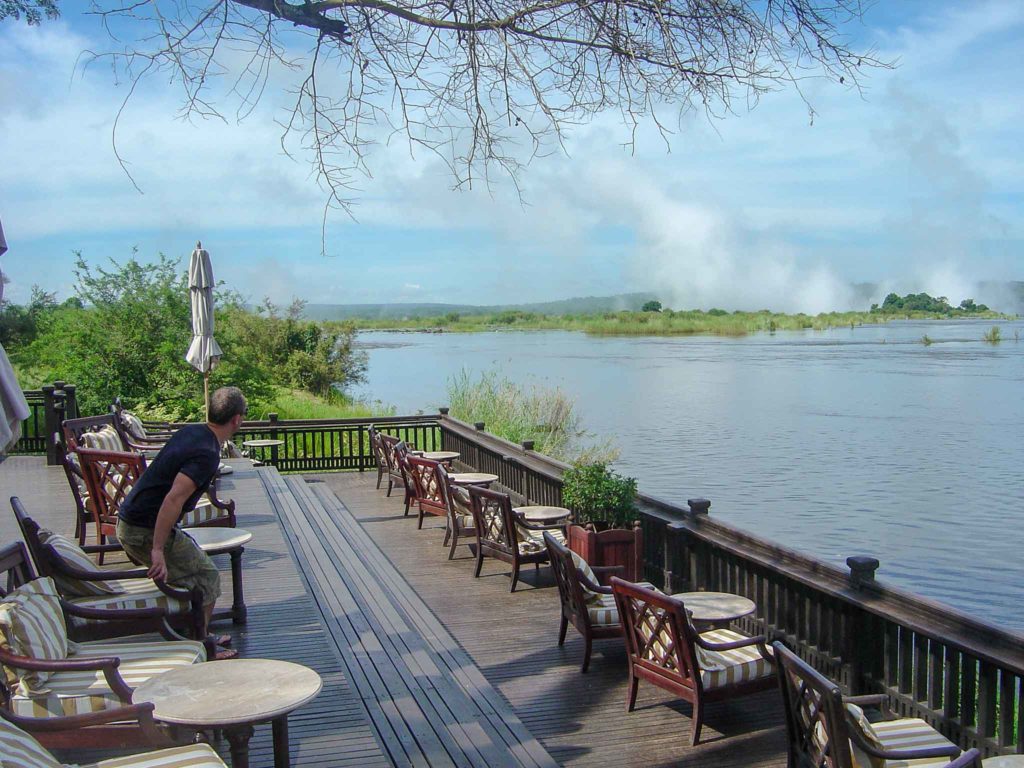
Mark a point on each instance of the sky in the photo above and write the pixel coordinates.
(915, 184)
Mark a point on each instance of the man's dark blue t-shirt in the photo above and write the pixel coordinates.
(193, 450)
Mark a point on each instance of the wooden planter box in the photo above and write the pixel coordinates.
(615, 546)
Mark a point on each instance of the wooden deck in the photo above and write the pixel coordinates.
(512, 638)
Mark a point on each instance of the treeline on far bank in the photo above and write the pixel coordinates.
(656, 320)
(125, 331)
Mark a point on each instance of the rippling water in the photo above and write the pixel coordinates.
(851, 441)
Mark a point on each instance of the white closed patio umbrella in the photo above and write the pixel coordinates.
(204, 352)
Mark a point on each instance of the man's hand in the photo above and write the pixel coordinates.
(158, 570)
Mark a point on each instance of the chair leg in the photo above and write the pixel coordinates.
(634, 684)
(455, 543)
(447, 535)
(408, 504)
(561, 630)
(479, 560)
(391, 484)
(698, 721)
(515, 577)
(586, 654)
(380, 476)
(420, 523)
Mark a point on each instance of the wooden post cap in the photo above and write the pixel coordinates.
(479, 425)
(862, 568)
(443, 410)
(527, 445)
(699, 506)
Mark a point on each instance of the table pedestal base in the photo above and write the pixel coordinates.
(238, 738)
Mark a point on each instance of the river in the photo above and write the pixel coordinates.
(850, 441)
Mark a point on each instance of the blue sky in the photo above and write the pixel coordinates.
(918, 184)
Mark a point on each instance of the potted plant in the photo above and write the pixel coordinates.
(605, 530)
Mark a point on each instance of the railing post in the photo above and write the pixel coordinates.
(70, 401)
(479, 425)
(273, 436)
(673, 565)
(443, 411)
(50, 423)
(699, 572)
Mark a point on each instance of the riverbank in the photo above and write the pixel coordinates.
(665, 323)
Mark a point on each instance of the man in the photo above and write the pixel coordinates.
(171, 485)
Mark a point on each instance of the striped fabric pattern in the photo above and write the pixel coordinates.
(20, 750)
(74, 555)
(78, 692)
(911, 733)
(203, 513)
(533, 541)
(191, 756)
(465, 521)
(584, 566)
(856, 718)
(719, 668)
(133, 424)
(105, 439)
(602, 609)
(32, 624)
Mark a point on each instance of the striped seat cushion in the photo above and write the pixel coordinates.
(910, 733)
(602, 610)
(32, 624)
(133, 424)
(531, 542)
(130, 593)
(74, 555)
(20, 750)
(80, 692)
(203, 513)
(191, 756)
(740, 665)
(105, 439)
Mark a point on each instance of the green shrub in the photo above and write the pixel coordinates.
(599, 495)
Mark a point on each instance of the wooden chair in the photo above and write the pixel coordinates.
(501, 535)
(18, 737)
(430, 486)
(398, 456)
(461, 523)
(79, 490)
(91, 592)
(377, 446)
(136, 434)
(665, 649)
(824, 728)
(586, 604)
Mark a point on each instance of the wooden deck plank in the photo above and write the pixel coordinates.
(469, 734)
(512, 638)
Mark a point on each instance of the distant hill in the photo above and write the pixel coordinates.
(574, 306)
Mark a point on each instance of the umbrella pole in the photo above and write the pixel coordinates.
(206, 393)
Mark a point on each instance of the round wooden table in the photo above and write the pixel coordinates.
(715, 608)
(273, 445)
(473, 478)
(1004, 761)
(218, 541)
(446, 457)
(233, 695)
(537, 513)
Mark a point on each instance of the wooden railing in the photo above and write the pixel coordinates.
(960, 674)
(48, 407)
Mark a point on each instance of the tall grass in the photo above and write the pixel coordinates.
(296, 404)
(993, 335)
(545, 415)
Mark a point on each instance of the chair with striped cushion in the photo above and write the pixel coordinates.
(430, 487)
(502, 535)
(461, 524)
(46, 675)
(135, 434)
(90, 588)
(20, 749)
(824, 728)
(666, 650)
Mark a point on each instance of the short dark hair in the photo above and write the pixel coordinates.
(225, 404)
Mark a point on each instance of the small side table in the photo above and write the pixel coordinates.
(217, 541)
(445, 457)
(273, 445)
(233, 695)
(536, 513)
(473, 478)
(716, 609)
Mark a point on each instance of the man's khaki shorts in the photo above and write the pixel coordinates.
(187, 565)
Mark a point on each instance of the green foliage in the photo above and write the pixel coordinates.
(32, 10)
(927, 340)
(715, 312)
(651, 306)
(598, 494)
(922, 302)
(543, 415)
(126, 333)
(993, 335)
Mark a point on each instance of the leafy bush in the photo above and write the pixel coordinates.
(599, 495)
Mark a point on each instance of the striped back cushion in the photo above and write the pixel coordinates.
(584, 566)
(105, 439)
(133, 424)
(32, 624)
(74, 555)
(19, 750)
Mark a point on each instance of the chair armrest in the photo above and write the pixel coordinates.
(758, 640)
(143, 713)
(94, 548)
(610, 569)
(77, 573)
(904, 754)
(969, 759)
(879, 700)
(178, 594)
(601, 590)
(113, 614)
(228, 506)
(57, 665)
